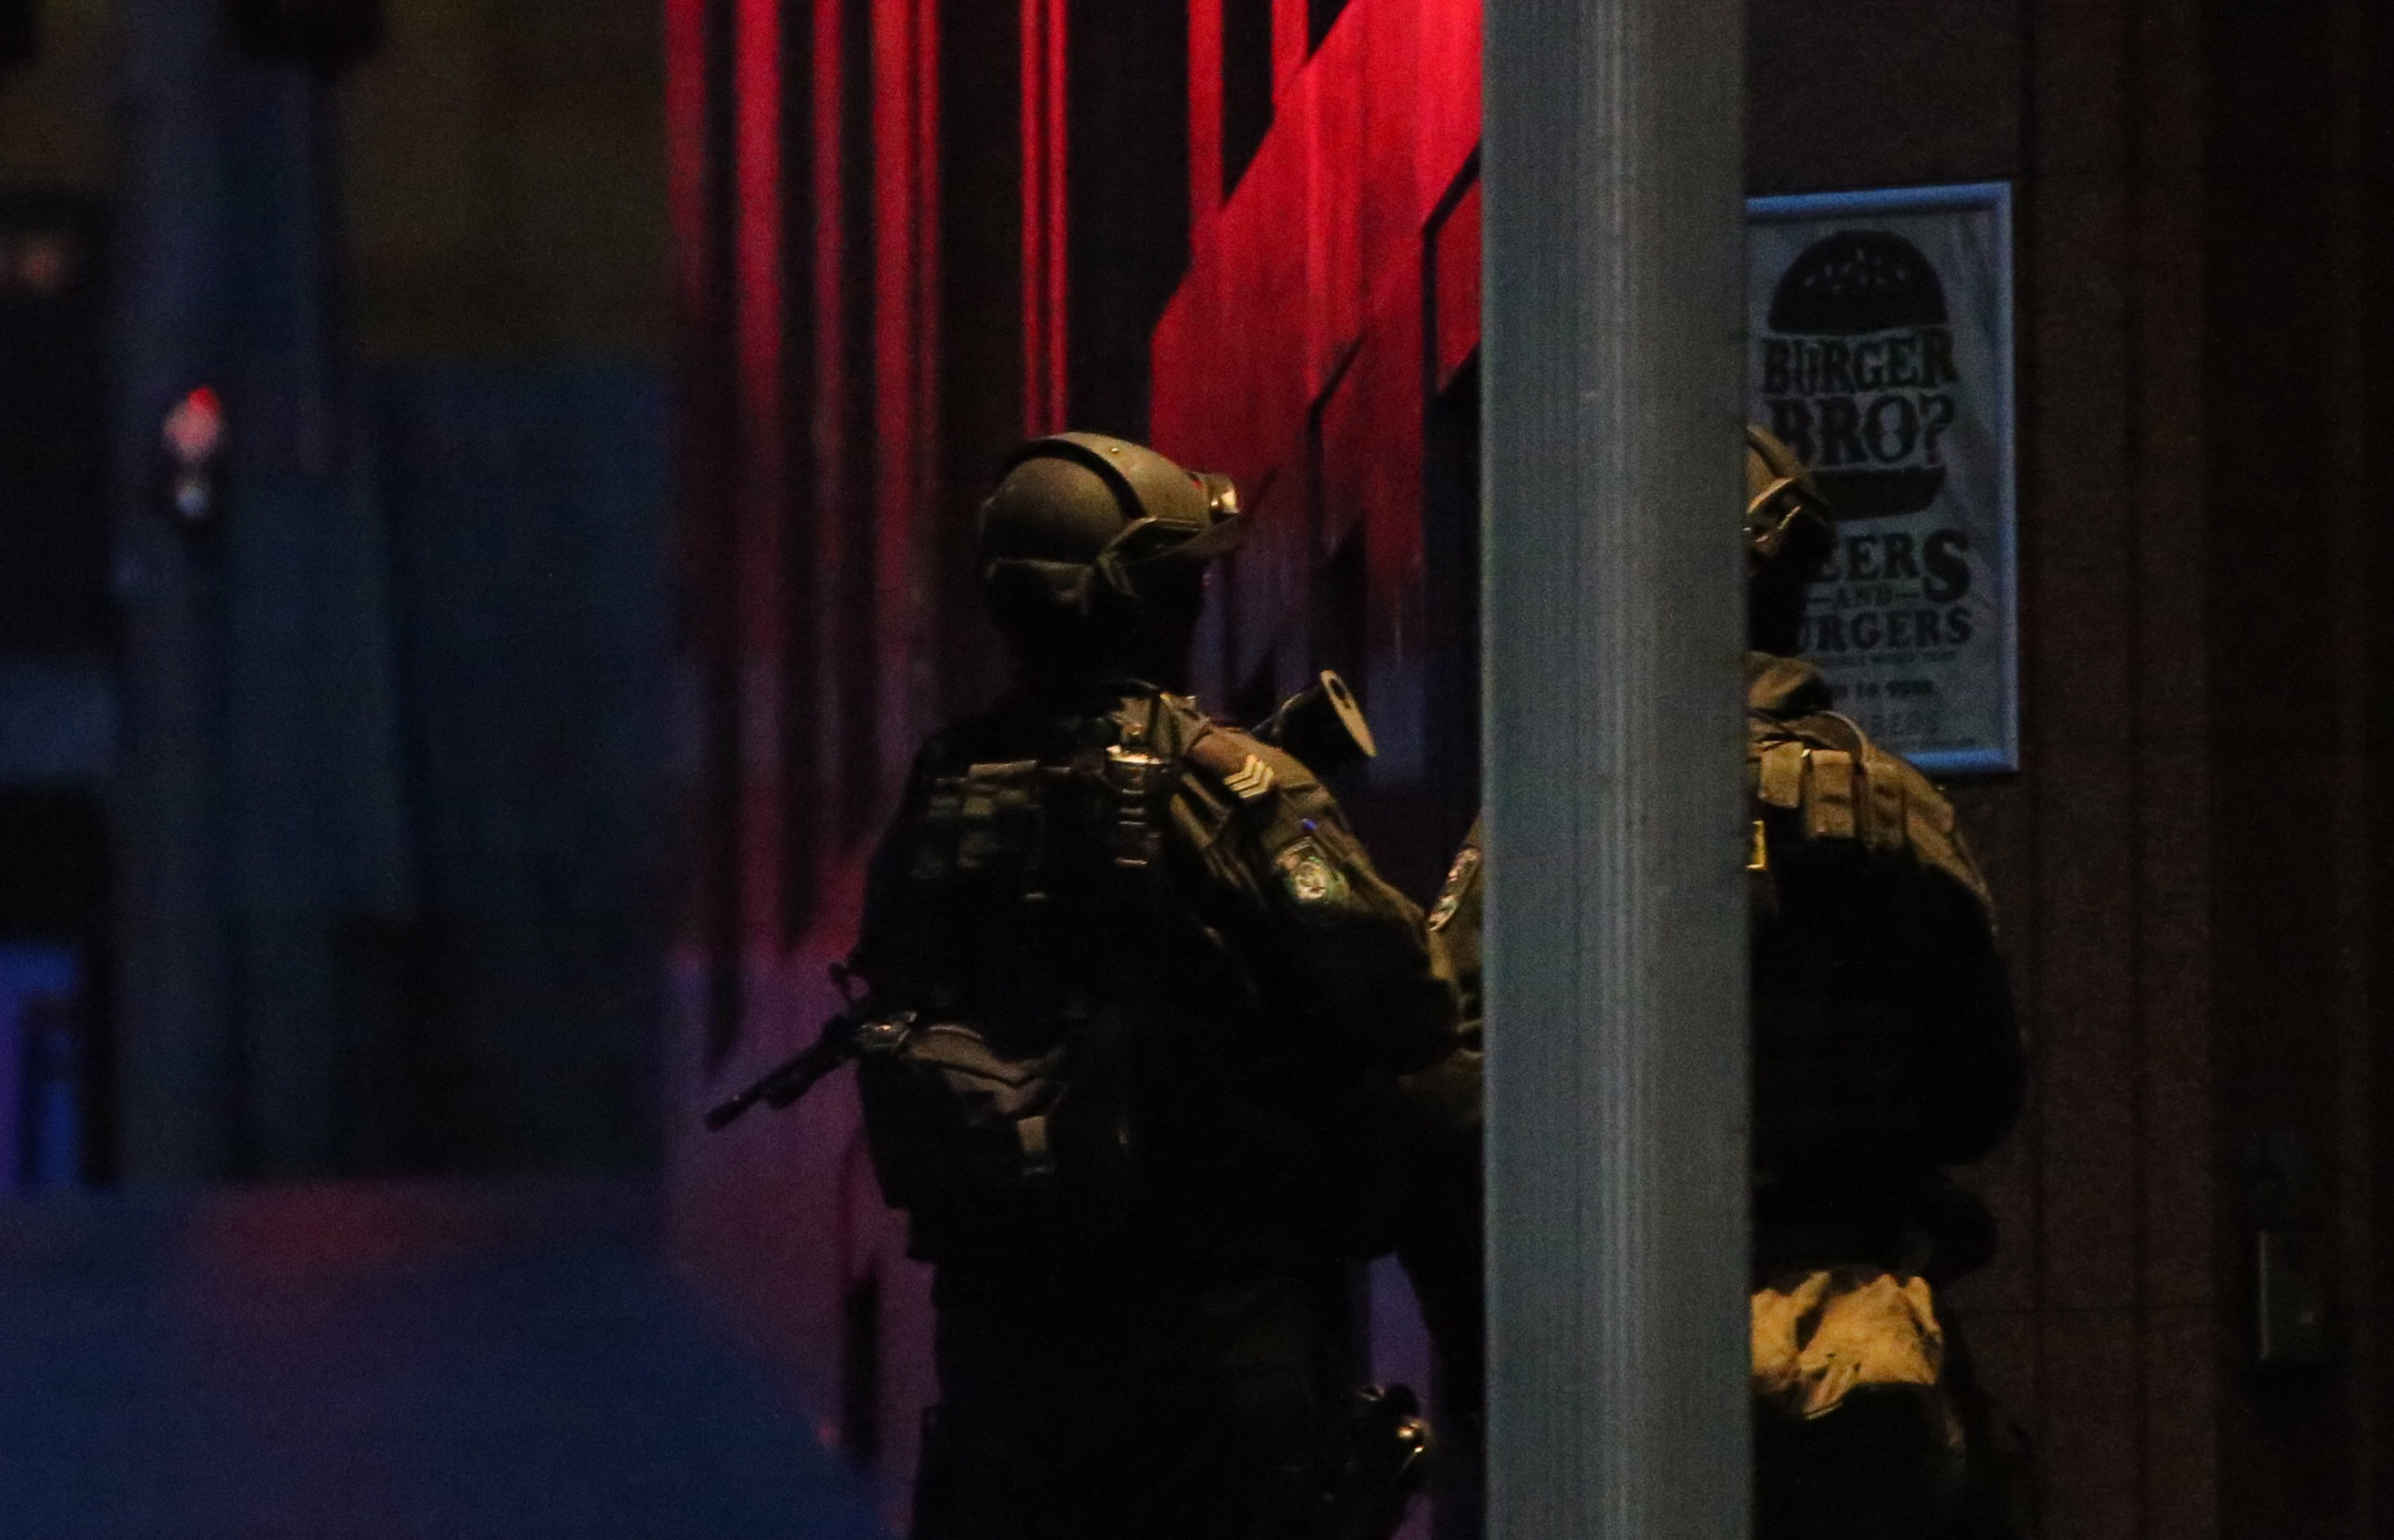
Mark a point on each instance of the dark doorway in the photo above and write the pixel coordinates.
(1246, 85)
(53, 429)
(1450, 555)
(54, 963)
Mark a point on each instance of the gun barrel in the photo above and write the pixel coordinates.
(1323, 725)
(723, 1113)
(793, 1077)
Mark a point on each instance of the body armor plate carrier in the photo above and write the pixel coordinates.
(998, 1104)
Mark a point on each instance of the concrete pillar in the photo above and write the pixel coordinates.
(175, 1059)
(257, 798)
(318, 870)
(1616, 912)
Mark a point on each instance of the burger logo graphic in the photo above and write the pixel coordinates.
(1858, 371)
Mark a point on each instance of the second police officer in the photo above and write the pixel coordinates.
(1886, 1052)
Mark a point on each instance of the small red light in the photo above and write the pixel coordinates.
(195, 428)
(193, 436)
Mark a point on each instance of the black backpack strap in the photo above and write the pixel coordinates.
(1140, 780)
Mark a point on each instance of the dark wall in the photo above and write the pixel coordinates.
(54, 864)
(1866, 93)
(981, 324)
(505, 187)
(53, 425)
(2192, 874)
(526, 512)
(1127, 184)
(2297, 256)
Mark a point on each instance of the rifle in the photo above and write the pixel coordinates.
(841, 1040)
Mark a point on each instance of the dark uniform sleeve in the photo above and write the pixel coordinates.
(1454, 930)
(1357, 954)
(1443, 1104)
(1440, 1230)
(1340, 950)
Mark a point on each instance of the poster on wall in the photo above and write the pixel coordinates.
(1879, 329)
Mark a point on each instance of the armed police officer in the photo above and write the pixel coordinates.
(1885, 1053)
(1133, 991)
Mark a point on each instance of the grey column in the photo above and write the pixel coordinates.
(260, 829)
(318, 871)
(176, 1057)
(1614, 619)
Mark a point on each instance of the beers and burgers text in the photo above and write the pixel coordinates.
(1892, 590)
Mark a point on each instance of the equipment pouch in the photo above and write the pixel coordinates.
(976, 1142)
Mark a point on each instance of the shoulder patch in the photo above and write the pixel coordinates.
(1250, 771)
(1252, 779)
(1450, 897)
(1314, 886)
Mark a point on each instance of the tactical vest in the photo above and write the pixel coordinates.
(998, 1104)
(1818, 780)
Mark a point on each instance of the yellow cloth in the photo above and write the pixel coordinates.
(1819, 1337)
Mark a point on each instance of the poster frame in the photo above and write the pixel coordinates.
(1993, 198)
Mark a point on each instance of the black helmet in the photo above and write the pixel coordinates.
(1088, 535)
(1787, 515)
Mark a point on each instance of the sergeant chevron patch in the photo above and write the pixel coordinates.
(1250, 781)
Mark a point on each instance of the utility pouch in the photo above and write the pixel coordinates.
(976, 1141)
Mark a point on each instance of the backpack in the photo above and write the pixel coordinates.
(999, 1102)
(1883, 1033)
